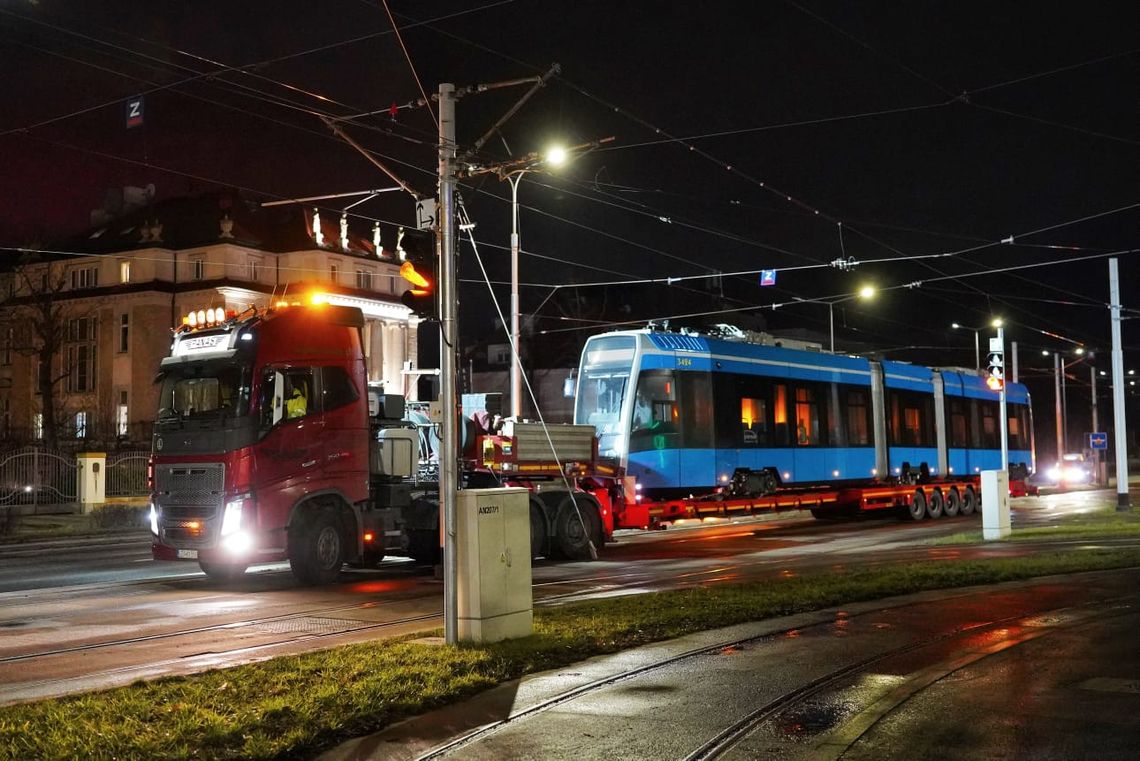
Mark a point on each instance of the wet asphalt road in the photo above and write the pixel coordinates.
(1048, 669)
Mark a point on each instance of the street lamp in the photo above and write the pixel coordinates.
(554, 158)
(866, 293)
(996, 322)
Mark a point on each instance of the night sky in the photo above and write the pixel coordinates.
(784, 136)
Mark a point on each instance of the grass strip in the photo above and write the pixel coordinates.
(1102, 522)
(294, 707)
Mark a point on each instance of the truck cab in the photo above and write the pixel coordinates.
(261, 442)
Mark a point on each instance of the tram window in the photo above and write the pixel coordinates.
(858, 418)
(911, 419)
(1016, 431)
(781, 432)
(989, 413)
(697, 424)
(656, 418)
(807, 418)
(754, 422)
(959, 428)
(975, 424)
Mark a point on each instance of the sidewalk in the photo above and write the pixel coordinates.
(67, 521)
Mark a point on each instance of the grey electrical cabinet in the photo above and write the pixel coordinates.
(493, 554)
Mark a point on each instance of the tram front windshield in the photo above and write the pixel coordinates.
(603, 383)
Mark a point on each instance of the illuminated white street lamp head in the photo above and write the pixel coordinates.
(1080, 350)
(867, 292)
(555, 156)
(955, 325)
(997, 323)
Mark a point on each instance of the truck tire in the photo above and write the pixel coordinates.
(316, 546)
(222, 571)
(538, 530)
(423, 546)
(917, 508)
(969, 501)
(935, 505)
(953, 503)
(572, 541)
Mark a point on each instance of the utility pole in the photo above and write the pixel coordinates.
(1118, 420)
(1095, 422)
(1057, 398)
(1002, 405)
(1013, 358)
(449, 345)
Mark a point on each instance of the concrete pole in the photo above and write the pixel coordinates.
(1095, 423)
(449, 345)
(1057, 399)
(1002, 406)
(977, 351)
(1064, 403)
(1118, 418)
(1013, 358)
(516, 344)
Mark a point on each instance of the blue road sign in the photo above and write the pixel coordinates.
(767, 277)
(1098, 441)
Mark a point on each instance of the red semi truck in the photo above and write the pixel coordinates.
(268, 445)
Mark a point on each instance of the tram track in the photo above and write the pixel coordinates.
(835, 743)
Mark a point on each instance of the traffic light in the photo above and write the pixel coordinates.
(996, 365)
(421, 297)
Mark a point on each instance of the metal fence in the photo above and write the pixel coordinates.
(126, 474)
(33, 475)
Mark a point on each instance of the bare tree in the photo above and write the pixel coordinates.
(38, 319)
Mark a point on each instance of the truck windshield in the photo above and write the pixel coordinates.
(204, 390)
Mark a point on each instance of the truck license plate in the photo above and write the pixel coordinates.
(188, 554)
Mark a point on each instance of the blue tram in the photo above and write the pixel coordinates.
(683, 412)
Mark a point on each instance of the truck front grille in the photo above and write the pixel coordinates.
(188, 498)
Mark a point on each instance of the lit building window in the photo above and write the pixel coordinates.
(124, 271)
(121, 415)
(199, 269)
(80, 425)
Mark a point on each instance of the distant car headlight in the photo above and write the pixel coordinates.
(1075, 475)
(1053, 474)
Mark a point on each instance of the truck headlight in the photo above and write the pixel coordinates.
(231, 518)
(153, 520)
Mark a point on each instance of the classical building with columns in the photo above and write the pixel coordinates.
(117, 290)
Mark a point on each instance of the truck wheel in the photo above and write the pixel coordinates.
(917, 507)
(953, 503)
(538, 544)
(934, 504)
(573, 542)
(222, 571)
(423, 546)
(316, 547)
(969, 501)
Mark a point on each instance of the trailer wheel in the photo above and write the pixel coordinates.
(572, 541)
(222, 571)
(934, 504)
(316, 546)
(969, 501)
(917, 507)
(953, 503)
(538, 530)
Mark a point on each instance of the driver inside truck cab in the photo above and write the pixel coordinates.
(297, 403)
